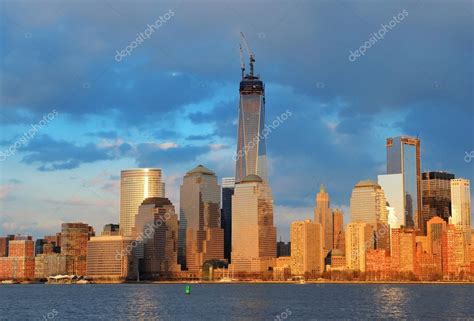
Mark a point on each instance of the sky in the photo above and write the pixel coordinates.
(74, 112)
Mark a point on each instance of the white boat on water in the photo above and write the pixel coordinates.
(10, 282)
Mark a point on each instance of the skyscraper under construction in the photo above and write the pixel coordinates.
(251, 156)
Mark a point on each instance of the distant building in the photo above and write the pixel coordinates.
(338, 230)
(228, 185)
(74, 237)
(392, 185)
(201, 237)
(359, 239)
(436, 197)
(323, 216)
(157, 228)
(461, 205)
(50, 265)
(437, 236)
(20, 263)
(135, 186)
(378, 264)
(457, 252)
(52, 244)
(111, 258)
(403, 157)
(283, 249)
(368, 203)
(338, 260)
(111, 230)
(403, 250)
(306, 248)
(254, 236)
(3, 246)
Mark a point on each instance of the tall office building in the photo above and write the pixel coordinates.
(461, 205)
(403, 250)
(135, 186)
(403, 157)
(323, 216)
(359, 239)
(251, 156)
(392, 185)
(156, 225)
(201, 237)
(338, 230)
(438, 242)
(228, 185)
(306, 248)
(368, 203)
(74, 238)
(253, 236)
(436, 197)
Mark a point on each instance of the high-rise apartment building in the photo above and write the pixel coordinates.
(461, 205)
(359, 239)
(251, 155)
(228, 185)
(135, 186)
(403, 250)
(253, 235)
(306, 248)
(156, 226)
(338, 231)
(436, 197)
(323, 216)
(201, 237)
(403, 157)
(74, 238)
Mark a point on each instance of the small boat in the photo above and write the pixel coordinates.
(10, 282)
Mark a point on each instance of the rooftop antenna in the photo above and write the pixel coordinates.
(250, 54)
(242, 63)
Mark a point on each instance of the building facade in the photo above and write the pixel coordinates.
(461, 205)
(403, 157)
(323, 216)
(338, 231)
(135, 186)
(228, 185)
(306, 248)
(359, 239)
(254, 236)
(201, 237)
(74, 238)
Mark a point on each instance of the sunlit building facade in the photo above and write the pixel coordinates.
(461, 205)
(403, 157)
(392, 185)
(338, 230)
(306, 248)
(74, 238)
(403, 250)
(368, 203)
(359, 239)
(135, 186)
(254, 236)
(201, 237)
(323, 216)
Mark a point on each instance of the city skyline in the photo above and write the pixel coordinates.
(70, 169)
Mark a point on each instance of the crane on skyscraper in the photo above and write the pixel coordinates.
(250, 54)
(242, 63)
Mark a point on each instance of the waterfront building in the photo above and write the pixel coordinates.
(136, 185)
(74, 237)
(156, 226)
(403, 157)
(201, 237)
(458, 259)
(20, 263)
(254, 236)
(228, 185)
(461, 205)
(282, 268)
(437, 236)
(111, 258)
(436, 197)
(359, 239)
(323, 216)
(50, 265)
(378, 264)
(306, 248)
(403, 250)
